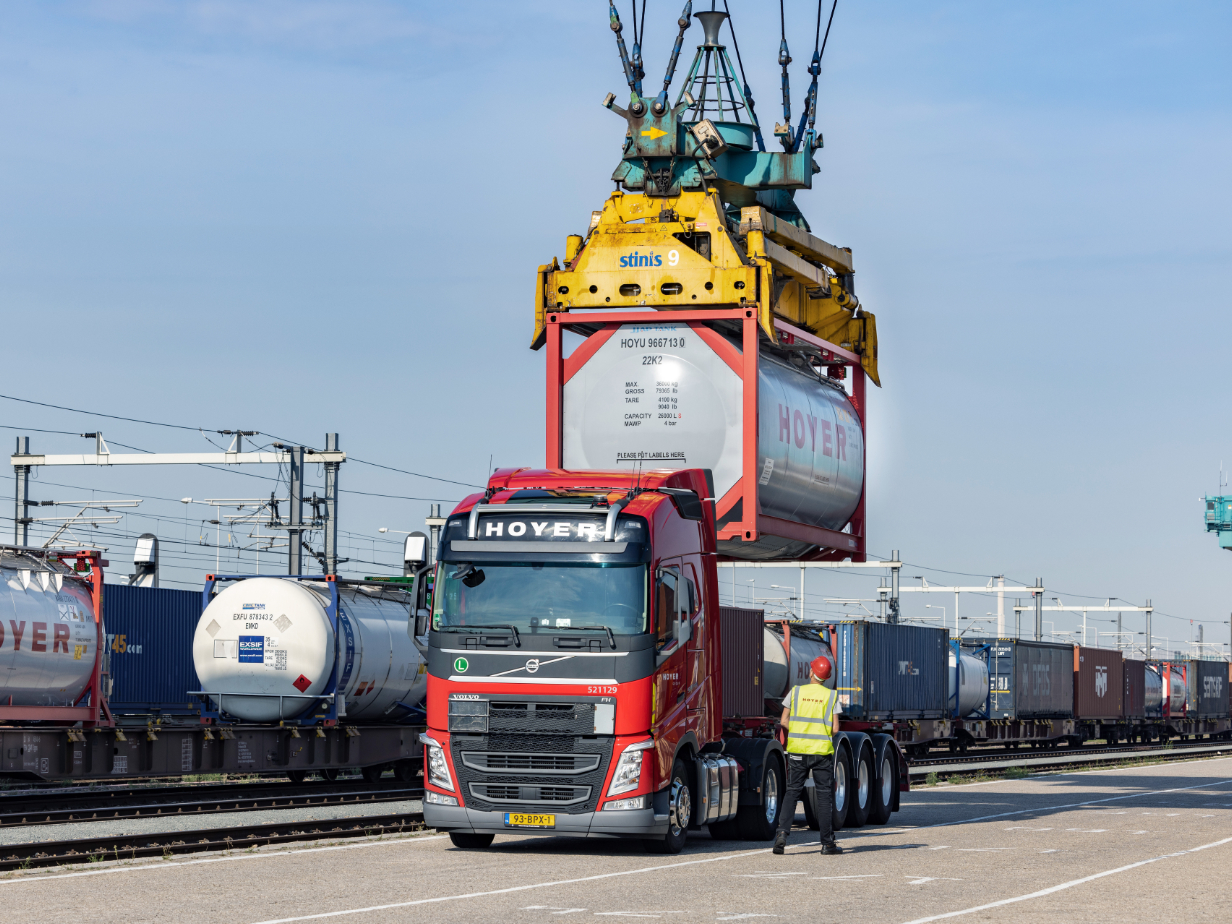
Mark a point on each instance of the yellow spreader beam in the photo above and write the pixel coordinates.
(682, 252)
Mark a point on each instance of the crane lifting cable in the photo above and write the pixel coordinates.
(819, 49)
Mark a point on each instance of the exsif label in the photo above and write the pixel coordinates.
(252, 649)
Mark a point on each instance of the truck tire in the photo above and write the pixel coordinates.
(679, 814)
(842, 789)
(861, 790)
(469, 841)
(885, 784)
(810, 808)
(761, 822)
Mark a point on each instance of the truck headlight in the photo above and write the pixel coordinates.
(629, 768)
(438, 767)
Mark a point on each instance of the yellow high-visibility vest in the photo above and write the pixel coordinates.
(811, 720)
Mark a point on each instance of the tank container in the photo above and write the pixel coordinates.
(48, 635)
(267, 648)
(666, 394)
(968, 682)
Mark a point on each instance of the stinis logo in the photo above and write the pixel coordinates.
(640, 259)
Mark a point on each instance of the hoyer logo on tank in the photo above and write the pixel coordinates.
(37, 639)
(800, 428)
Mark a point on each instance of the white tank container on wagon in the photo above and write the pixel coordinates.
(264, 638)
(48, 636)
(686, 410)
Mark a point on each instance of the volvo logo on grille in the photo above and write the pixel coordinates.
(532, 665)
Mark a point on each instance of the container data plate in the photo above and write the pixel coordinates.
(522, 820)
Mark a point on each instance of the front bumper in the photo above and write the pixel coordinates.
(637, 823)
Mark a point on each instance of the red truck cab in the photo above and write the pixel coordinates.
(573, 657)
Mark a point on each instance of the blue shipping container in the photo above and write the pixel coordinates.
(150, 634)
(1027, 679)
(890, 671)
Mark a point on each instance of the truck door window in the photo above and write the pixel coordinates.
(667, 606)
(690, 600)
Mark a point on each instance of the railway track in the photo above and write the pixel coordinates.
(243, 837)
(980, 760)
(178, 801)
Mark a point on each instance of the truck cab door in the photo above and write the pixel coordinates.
(671, 641)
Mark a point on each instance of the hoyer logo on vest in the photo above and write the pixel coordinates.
(541, 529)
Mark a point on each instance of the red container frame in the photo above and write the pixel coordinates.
(833, 545)
(91, 708)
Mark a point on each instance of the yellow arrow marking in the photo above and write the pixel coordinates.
(653, 133)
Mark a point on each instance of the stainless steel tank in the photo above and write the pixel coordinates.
(969, 682)
(781, 672)
(1153, 692)
(660, 396)
(48, 634)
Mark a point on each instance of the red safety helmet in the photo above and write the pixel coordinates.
(820, 667)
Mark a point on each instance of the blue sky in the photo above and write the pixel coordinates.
(297, 217)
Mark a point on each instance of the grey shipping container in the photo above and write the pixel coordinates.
(742, 637)
(1135, 689)
(1207, 683)
(1099, 683)
(1027, 679)
(150, 634)
(890, 671)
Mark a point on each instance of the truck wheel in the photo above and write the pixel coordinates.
(842, 790)
(761, 822)
(468, 841)
(679, 814)
(885, 784)
(861, 791)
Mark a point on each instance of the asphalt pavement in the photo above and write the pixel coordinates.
(1147, 843)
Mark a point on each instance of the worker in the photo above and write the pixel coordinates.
(811, 719)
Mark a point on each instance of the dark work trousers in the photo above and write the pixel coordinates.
(798, 768)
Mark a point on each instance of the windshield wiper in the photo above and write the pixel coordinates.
(610, 637)
(517, 642)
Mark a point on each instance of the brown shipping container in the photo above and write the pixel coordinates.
(742, 633)
(1099, 683)
(1134, 704)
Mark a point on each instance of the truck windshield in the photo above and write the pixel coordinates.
(541, 596)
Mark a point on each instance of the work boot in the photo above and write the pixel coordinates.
(780, 842)
(830, 847)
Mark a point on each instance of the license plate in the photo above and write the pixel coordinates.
(523, 820)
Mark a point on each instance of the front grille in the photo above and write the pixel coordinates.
(542, 718)
(496, 769)
(505, 792)
(530, 763)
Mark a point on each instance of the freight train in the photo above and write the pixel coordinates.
(256, 675)
(1014, 692)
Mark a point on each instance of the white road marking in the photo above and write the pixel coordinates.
(1025, 828)
(937, 848)
(521, 888)
(1053, 850)
(1068, 885)
(838, 878)
(981, 849)
(920, 880)
(1089, 830)
(223, 859)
